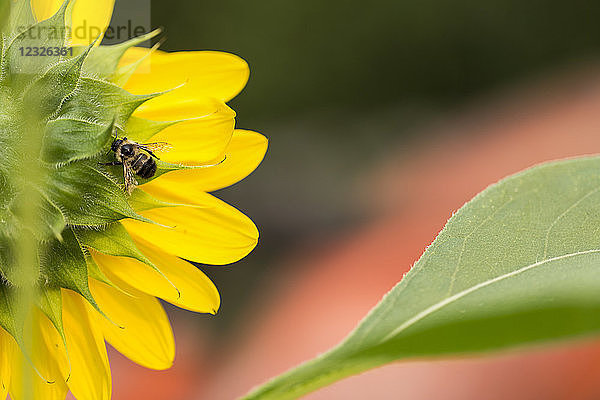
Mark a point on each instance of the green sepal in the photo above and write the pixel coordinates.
(96, 273)
(52, 220)
(2, 58)
(10, 237)
(49, 302)
(51, 32)
(140, 129)
(6, 192)
(142, 201)
(123, 73)
(15, 313)
(63, 265)
(16, 14)
(4, 13)
(9, 124)
(94, 270)
(165, 167)
(104, 60)
(4, 266)
(102, 102)
(67, 140)
(5, 8)
(7, 254)
(49, 225)
(49, 91)
(87, 196)
(113, 240)
(162, 168)
(9, 320)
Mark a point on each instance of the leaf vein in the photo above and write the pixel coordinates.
(558, 218)
(464, 243)
(439, 305)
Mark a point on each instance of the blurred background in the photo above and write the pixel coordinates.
(384, 117)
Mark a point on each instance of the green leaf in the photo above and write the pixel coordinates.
(88, 197)
(519, 264)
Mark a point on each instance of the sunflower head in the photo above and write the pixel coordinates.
(94, 220)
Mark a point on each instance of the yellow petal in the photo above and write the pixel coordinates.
(144, 334)
(44, 9)
(56, 349)
(90, 377)
(6, 349)
(204, 73)
(162, 108)
(27, 384)
(90, 17)
(45, 383)
(214, 233)
(245, 152)
(196, 292)
(199, 141)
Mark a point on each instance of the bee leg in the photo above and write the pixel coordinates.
(112, 163)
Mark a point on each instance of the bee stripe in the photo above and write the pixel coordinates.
(139, 162)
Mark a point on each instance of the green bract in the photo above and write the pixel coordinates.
(58, 115)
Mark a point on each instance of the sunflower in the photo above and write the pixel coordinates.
(82, 261)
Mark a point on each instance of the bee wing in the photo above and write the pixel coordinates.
(130, 181)
(157, 146)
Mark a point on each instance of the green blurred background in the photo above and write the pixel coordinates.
(337, 85)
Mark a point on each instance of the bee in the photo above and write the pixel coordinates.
(136, 159)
